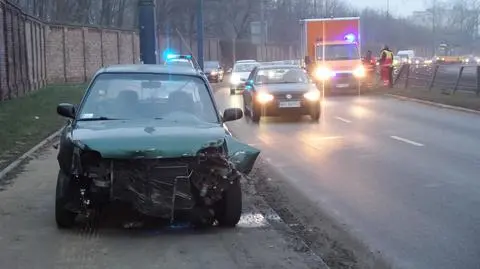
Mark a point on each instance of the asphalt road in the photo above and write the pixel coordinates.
(29, 238)
(403, 176)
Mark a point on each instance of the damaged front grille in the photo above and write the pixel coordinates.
(159, 187)
(154, 186)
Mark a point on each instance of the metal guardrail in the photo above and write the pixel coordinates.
(444, 76)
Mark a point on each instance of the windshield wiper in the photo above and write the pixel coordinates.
(97, 118)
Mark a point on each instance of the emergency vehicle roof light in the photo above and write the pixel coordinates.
(350, 38)
(169, 54)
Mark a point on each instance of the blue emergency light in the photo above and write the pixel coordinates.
(169, 54)
(350, 38)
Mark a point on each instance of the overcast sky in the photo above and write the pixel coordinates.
(397, 7)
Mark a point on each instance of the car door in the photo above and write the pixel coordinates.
(249, 89)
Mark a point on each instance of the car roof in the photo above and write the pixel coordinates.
(149, 68)
(247, 63)
(178, 60)
(278, 66)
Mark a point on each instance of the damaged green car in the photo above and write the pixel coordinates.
(152, 137)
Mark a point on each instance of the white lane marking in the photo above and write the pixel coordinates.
(342, 119)
(407, 141)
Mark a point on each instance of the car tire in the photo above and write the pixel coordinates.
(254, 115)
(315, 116)
(64, 218)
(229, 208)
(232, 91)
(246, 112)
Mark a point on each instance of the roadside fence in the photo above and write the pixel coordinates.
(450, 77)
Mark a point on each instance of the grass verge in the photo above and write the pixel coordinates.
(28, 120)
(460, 98)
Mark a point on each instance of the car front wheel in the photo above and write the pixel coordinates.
(315, 114)
(255, 114)
(229, 209)
(232, 91)
(64, 217)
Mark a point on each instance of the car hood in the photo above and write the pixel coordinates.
(286, 87)
(209, 69)
(159, 139)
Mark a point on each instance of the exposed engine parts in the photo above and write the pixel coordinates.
(156, 187)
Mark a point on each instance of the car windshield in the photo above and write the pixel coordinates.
(244, 67)
(338, 52)
(280, 76)
(148, 96)
(211, 64)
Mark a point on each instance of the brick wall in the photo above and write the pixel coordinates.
(33, 53)
(75, 53)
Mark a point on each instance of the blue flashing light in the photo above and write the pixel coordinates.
(169, 54)
(189, 57)
(350, 38)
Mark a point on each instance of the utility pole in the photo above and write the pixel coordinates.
(263, 37)
(200, 33)
(389, 37)
(325, 12)
(148, 31)
(388, 9)
(434, 15)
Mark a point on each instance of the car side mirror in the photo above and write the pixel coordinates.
(231, 114)
(66, 110)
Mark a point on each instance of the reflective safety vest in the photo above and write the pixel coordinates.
(388, 60)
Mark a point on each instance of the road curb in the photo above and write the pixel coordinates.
(433, 103)
(28, 154)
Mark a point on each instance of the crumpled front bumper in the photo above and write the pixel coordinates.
(160, 186)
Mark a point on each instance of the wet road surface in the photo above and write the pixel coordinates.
(403, 176)
(29, 238)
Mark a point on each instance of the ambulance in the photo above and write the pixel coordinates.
(331, 52)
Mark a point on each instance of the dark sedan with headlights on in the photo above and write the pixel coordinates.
(214, 71)
(275, 90)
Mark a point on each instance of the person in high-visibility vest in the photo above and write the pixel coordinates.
(386, 65)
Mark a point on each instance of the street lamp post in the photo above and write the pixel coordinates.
(148, 33)
(200, 33)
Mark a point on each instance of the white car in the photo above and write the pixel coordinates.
(240, 73)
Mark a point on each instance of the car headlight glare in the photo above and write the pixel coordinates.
(313, 95)
(323, 73)
(235, 79)
(359, 72)
(213, 73)
(263, 97)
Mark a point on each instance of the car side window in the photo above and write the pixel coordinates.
(252, 74)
